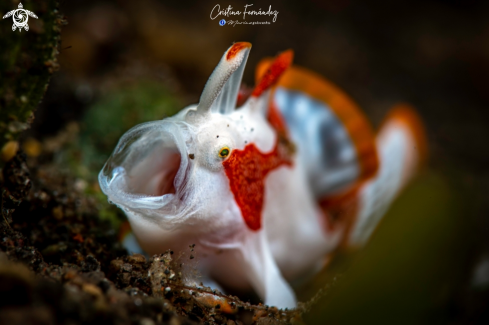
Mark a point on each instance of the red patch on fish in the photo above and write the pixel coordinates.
(277, 120)
(236, 48)
(246, 170)
(271, 76)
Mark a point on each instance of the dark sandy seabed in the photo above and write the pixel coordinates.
(61, 264)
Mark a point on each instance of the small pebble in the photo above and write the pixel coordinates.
(146, 321)
(9, 150)
(57, 212)
(136, 258)
(92, 289)
(32, 147)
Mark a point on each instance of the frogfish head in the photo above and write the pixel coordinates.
(172, 171)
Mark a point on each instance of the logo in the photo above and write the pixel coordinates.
(20, 17)
(222, 22)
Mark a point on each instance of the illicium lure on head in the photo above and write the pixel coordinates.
(274, 186)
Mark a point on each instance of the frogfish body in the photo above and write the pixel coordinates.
(268, 189)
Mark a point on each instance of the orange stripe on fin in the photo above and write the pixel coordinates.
(356, 124)
(407, 115)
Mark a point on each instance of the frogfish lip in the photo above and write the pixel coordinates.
(148, 169)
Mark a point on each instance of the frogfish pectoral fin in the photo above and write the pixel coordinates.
(264, 274)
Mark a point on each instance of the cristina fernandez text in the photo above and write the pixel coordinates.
(216, 12)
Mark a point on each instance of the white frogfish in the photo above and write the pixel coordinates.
(270, 184)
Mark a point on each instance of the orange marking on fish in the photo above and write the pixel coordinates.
(274, 71)
(406, 114)
(236, 48)
(276, 119)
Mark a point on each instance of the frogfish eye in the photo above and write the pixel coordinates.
(224, 152)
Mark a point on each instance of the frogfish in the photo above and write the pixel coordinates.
(270, 182)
